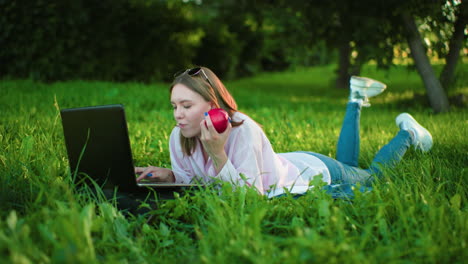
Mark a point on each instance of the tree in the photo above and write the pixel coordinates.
(408, 11)
(455, 44)
(372, 33)
(359, 31)
(437, 96)
(117, 40)
(232, 43)
(362, 34)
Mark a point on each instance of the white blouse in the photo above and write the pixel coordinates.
(251, 161)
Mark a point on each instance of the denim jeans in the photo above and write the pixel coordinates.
(344, 171)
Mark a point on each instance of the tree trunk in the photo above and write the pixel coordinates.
(436, 94)
(344, 53)
(357, 65)
(456, 43)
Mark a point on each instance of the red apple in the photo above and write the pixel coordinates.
(219, 118)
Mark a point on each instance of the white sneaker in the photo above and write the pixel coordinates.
(362, 88)
(422, 139)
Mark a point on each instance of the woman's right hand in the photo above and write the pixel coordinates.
(157, 174)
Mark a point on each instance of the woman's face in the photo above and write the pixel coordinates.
(189, 109)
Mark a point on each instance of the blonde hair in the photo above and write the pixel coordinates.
(212, 91)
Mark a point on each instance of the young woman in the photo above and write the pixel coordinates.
(243, 155)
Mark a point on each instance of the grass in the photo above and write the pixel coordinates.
(418, 213)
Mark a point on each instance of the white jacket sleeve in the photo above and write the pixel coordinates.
(245, 157)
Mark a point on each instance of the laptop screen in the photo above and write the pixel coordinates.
(98, 146)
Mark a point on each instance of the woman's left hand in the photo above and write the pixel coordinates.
(213, 142)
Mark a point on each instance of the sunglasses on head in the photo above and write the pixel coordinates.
(194, 72)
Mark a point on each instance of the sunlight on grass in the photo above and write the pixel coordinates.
(416, 213)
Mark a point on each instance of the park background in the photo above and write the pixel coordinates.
(288, 65)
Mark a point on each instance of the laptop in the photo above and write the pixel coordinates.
(99, 151)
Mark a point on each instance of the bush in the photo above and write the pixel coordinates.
(108, 39)
(146, 40)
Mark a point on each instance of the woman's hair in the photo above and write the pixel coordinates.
(212, 90)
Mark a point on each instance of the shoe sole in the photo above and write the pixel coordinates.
(366, 87)
(366, 82)
(425, 141)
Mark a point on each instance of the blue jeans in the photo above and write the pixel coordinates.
(344, 171)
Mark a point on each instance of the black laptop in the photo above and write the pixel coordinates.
(99, 150)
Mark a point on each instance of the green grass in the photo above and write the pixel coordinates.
(418, 213)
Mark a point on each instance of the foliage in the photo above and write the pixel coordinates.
(418, 213)
(145, 40)
(111, 40)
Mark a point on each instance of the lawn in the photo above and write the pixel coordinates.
(417, 213)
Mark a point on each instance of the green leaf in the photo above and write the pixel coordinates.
(27, 146)
(324, 210)
(455, 201)
(12, 220)
(164, 230)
